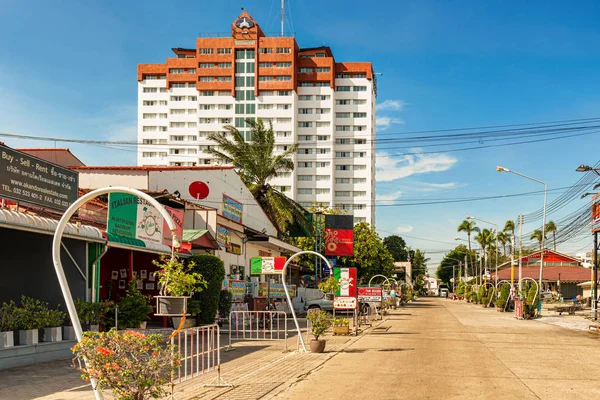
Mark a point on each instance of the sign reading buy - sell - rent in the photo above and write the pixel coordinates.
(267, 265)
(347, 279)
(34, 181)
(135, 218)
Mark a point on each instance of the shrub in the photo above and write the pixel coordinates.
(133, 309)
(213, 272)
(31, 314)
(331, 285)
(481, 294)
(319, 322)
(341, 322)
(177, 279)
(53, 318)
(225, 300)
(8, 316)
(530, 304)
(134, 366)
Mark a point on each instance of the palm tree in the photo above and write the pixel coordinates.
(537, 235)
(551, 227)
(485, 238)
(256, 164)
(468, 227)
(509, 226)
(503, 238)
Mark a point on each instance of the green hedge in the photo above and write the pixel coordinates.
(213, 271)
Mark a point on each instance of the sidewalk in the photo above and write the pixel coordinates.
(255, 368)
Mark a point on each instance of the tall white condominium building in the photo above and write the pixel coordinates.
(327, 107)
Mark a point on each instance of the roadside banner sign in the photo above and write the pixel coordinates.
(267, 265)
(344, 303)
(370, 294)
(347, 279)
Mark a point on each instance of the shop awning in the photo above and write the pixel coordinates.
(199, 238)
(276, 244)
(135, 244)
(33, 223)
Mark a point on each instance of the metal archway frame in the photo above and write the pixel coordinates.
(56, 245)
(537, 285)
(287, 293)
(503, 282)
(387, 280)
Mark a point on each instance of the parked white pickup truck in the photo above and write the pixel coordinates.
(321, 303)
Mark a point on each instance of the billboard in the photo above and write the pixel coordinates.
(370, 294)
(596, 213)
(34, 181)
(347, 279)
(339, 235)
(132, 217)
(232, 209)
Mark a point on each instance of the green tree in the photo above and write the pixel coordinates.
(453, 257)
(213, 271)
(418, 263)
(485, 238)
(397, 247)
(257, 165)
(469, 227)
(370, 255)
(503, 239)
(537, 235)
(551, 228)
(509, 226)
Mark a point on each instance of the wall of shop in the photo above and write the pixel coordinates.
(26, 267)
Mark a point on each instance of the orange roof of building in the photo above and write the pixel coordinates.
(564, 273)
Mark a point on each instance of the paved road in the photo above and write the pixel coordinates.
(440, 349)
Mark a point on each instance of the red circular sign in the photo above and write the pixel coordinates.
(199, 190)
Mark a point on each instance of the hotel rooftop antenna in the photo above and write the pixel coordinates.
(282, 15)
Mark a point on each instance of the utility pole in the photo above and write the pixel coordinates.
(512, 263)
(520, 254)
(466, 265)
(595, 279)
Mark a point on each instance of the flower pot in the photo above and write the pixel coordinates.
(171, 305)
(68, 333)
(189, 322)
(7, 339)
(51, 334)
(341, 330)
(28, 337)
(317, 346)
(143, 325)
(500, 309)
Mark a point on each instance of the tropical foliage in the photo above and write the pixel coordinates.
(537, 235)
(213, 271)
(320, 321)
(257, 165)
(551, 228)
(177, 279)
(509, 226)
(468, 227)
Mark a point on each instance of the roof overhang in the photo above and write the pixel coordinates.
(276, 244)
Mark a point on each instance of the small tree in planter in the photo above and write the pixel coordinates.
(178, 282)
(503, 299)
(319, 323)
(480, 294)
(53, 320)
(329, 286)
(30, 319)
(341, 326)
(134, 366)
(530, 303)
(8, 316)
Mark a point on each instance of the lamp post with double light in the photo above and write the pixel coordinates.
(502, 169)
(493, 224)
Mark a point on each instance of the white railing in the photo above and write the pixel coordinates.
(257, 325)
(199, 351)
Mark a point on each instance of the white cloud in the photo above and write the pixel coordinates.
(432, 187)
(396, 105)
(387, 198)
(404, 229)
(390, 169)
(384, 123)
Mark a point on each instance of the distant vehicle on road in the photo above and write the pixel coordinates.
(444, 292)
(322, 303)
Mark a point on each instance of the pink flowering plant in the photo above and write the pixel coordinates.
(133, 365)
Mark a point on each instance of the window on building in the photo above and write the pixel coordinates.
(323, 124)
(305, 138)
(305, 70)
(264, 78)
(343, 167)
(322, 137)
(284, 93)
(150, 77)
(207, 93)
(240, 67)
(359, 128)
(342, 76)
(342, 180)
(359, 75)
(283, 78)
(305, 165)
(250, 67)
(358, 102)
(360, 141)
(323, 97)
(284, 106)
(342, 102)
(149, 103)
(224, 107)
(359, 88)
(322, 111)
(240, 81)
(265, 65)
(305, 111)
(177, 138)
(239, 95)
(324, 164)
(148, 129)
(323, 151)
(205, 50)
(343, 154)
(224, 65)
(162, 102)
(322, 191)
(263, 106)
(250, 108)
(284, 120)
(359, 180)
(305, 151)
(283, 65)
(150, 90)
(148, 116)
(342, 193)
(342, 88)
(239, 122)
(322, 84)
(283, 50)
(322, 178)
(305, 124)
(322, 69)
(176, 85)
(359, 167)
(305, 177)
(224, 79)
(305, 97)
(177, 111)
(359, 115)
(250, 95)
(342, 128)
(207, 79)
(148, 154)
(249, 81)
(306, 84)
(342, 115)
(265, 50)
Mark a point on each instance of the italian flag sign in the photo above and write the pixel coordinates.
(347, 279)
(267, 265)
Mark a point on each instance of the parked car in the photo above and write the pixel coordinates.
(322, 303)
(444, 292)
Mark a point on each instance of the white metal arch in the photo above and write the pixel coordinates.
(381, 276)
(287, 293)
(60, 229)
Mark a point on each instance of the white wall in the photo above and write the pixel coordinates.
(95, 179)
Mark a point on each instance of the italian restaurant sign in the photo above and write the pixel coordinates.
(135, 218)
(31, 180)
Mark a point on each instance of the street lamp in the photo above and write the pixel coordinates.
(491, 223)
(502, 169)
(586, 168)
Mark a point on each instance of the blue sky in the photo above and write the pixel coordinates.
(68, 69)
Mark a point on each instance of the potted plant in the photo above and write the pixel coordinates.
(193, 310)
(29, 320)
(109, 358)
(8, 315)
(341, 326)
(319, 323)
(503, 299)
(134, 308)
(52, 331)
(178, 283)
(329, 286)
